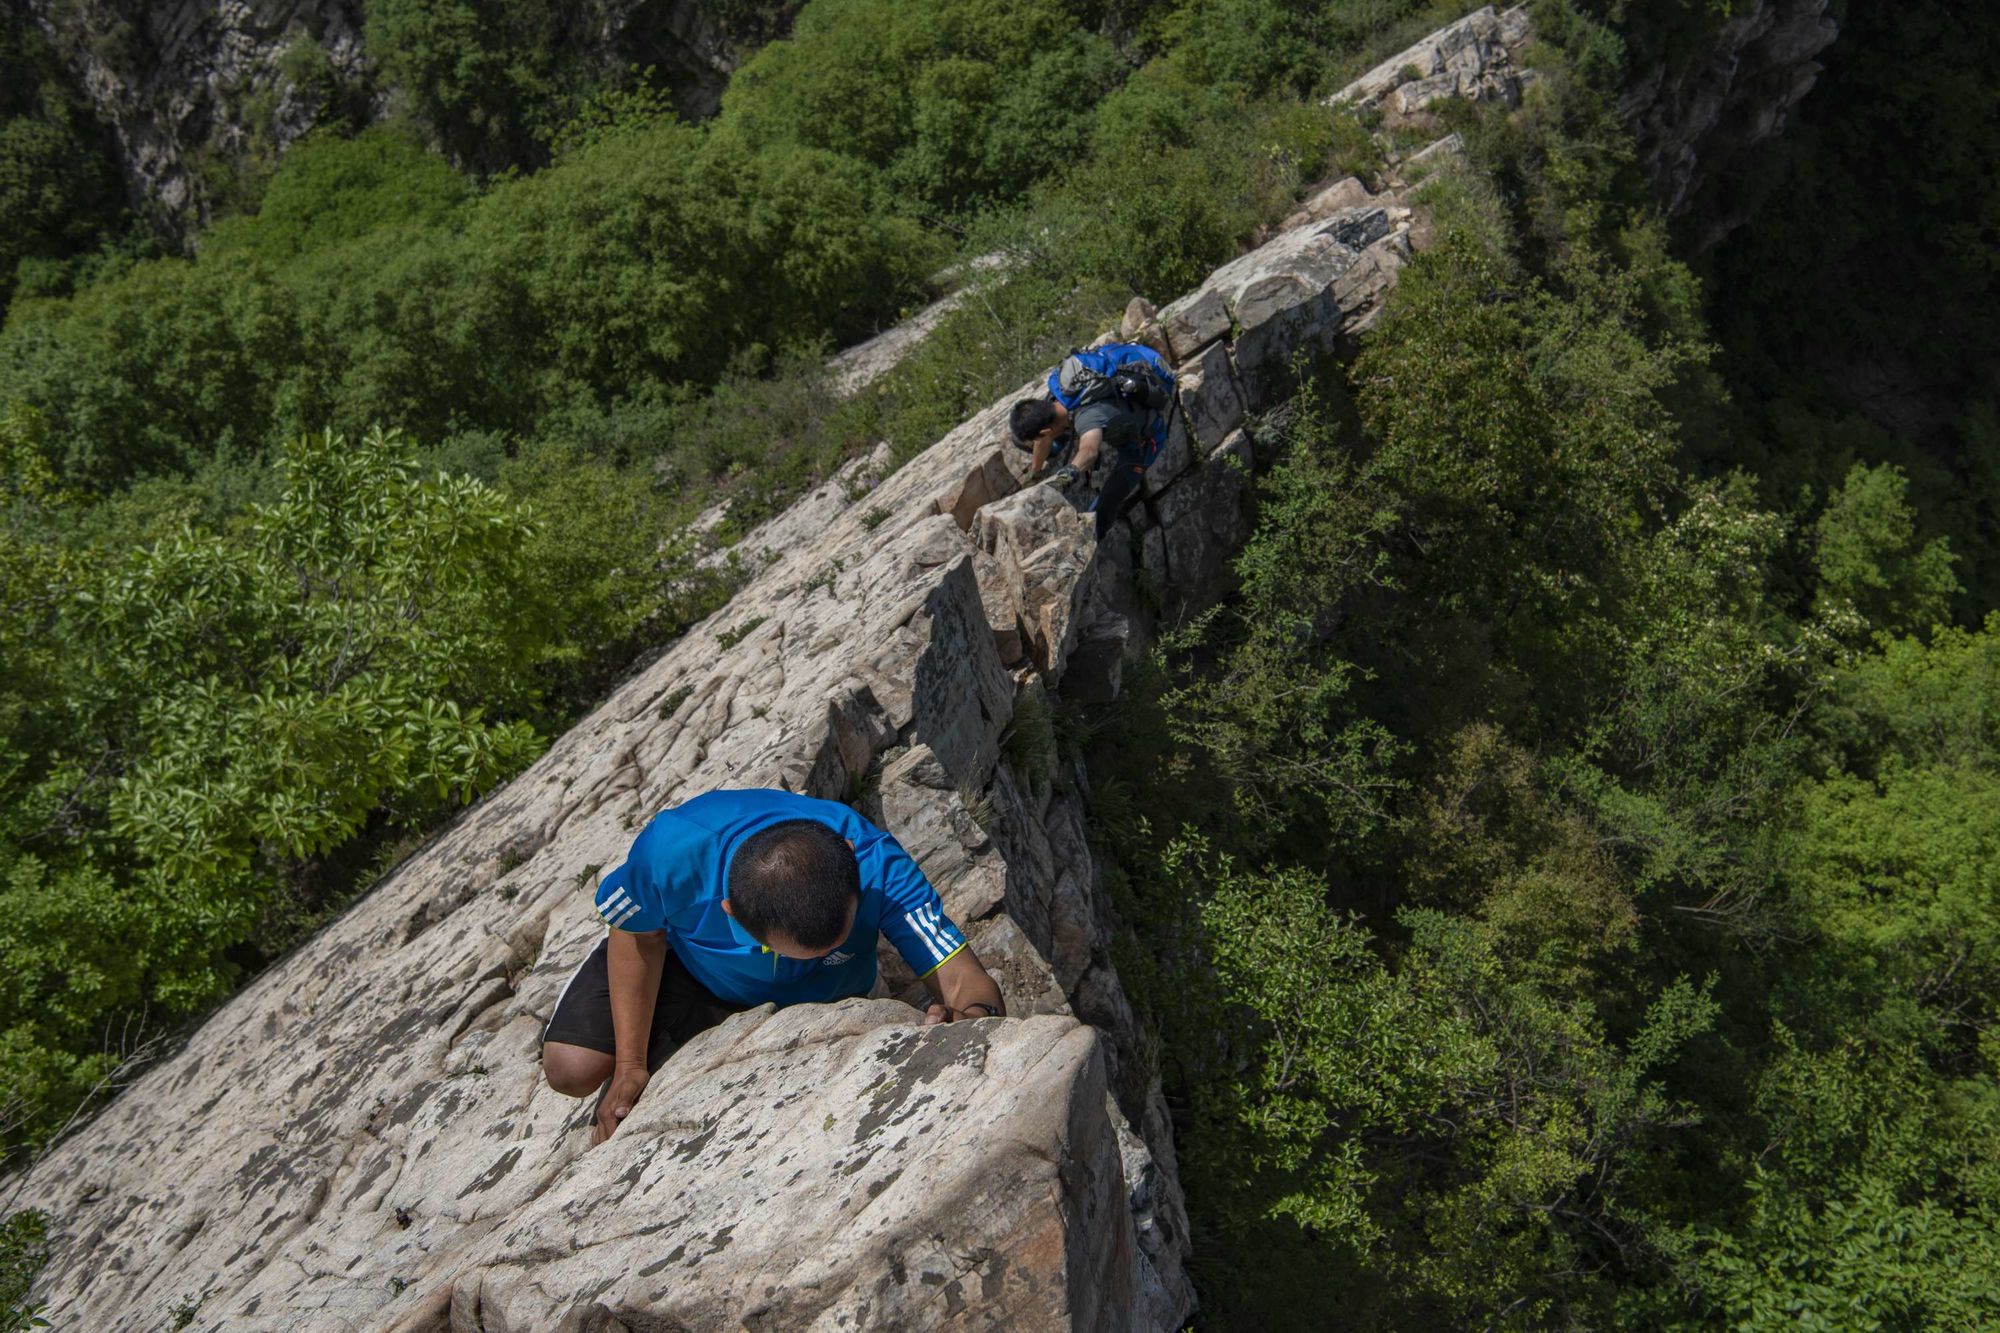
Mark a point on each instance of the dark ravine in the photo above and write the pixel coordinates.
(1695, 118)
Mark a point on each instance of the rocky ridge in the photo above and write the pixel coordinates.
(361, 1138)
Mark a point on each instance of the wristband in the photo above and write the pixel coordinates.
(991, 1012)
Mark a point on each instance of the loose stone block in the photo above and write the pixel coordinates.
(1194, 321)
(1176, 456)
(1211, 403)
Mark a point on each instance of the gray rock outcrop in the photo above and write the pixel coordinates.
(1472, 59)
(186, 86)
(361, 1138)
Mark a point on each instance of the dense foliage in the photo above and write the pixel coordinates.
(60, 196)
(1563, 878)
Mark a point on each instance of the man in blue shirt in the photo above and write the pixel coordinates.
(735, 899)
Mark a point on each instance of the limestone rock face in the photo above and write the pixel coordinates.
(930, 1197)
(361, 1139)
(1472, 59)
(1044, 550)
(176, 80)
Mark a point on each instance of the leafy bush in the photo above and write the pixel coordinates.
(483, 77)
(23, 1253)
(231, 707)
(60, 195)
(957, 102)
(333, 190)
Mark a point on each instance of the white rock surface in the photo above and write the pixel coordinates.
(1472, 59)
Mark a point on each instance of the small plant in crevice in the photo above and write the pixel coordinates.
(730, 638)
(1029, 743)
(826, 578)
(978, 808)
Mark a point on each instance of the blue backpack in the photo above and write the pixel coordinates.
(1131, 373)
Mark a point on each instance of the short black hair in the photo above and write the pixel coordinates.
(796, 878)
(1031, 416)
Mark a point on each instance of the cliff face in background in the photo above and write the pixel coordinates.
(1694, 117)
(362, 1140)
(181, 84)
(193, 89)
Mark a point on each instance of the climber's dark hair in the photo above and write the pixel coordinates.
(796, 879)
(1031, 416)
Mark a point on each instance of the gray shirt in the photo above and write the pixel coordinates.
(1124, 429)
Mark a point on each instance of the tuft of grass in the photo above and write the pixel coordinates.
(730, 638)
(979, 807)
(825, 578)
(1029, 743)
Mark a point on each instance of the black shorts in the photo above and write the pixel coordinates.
(684, 1007)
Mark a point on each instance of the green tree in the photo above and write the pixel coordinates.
(228, 708)
(60, 193)
(154, 369)
(1465, 1134)
(484, 78)
(957, 102)
(333, 190)
(1867, 559)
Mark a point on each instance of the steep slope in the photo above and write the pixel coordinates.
(361, 1138)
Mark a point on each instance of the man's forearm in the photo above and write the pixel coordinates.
(965, 981)
(634, 963)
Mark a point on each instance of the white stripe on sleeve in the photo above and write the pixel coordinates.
(945, 931)
(923, 930)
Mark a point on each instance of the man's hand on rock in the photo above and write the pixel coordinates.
(939, 1012)
(627, 1082)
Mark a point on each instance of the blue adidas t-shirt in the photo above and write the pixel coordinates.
(677, 875)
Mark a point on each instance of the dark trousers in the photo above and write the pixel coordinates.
(1119, 486)
(683, 1008)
